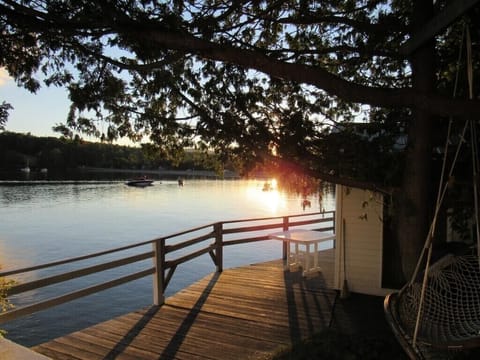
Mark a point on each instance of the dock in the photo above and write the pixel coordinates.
(248, 312)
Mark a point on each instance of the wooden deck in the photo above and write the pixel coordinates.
(241, 313)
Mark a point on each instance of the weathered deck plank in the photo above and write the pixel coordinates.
(246, 312)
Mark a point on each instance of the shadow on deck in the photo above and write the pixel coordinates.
(241, 313)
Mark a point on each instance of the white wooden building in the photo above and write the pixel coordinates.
(359, 241)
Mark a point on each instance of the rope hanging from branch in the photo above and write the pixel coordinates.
(442, 310)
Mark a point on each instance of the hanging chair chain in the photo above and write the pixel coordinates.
(443, 188)
(473, 140)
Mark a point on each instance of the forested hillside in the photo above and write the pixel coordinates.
(18, 150)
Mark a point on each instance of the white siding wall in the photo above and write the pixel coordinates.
(359, 214)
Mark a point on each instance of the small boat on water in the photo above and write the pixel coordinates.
(267, 186)
(26, 169)
(139, 182)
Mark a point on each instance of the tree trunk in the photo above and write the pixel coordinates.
(415, 200)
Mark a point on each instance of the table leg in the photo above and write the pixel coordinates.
(296, 253)
(287, 260)
(307, 258)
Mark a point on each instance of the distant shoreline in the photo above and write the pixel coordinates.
(167, 173)
(88, 174)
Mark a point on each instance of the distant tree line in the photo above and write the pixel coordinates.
(18, 150)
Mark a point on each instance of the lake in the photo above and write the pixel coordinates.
(48, 221)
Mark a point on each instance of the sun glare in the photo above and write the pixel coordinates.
(266, 194)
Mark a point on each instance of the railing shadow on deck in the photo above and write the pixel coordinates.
(167, 253)
(132, 333)
(307, 284)
(176, 341)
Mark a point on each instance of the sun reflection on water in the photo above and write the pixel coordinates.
(267, 196)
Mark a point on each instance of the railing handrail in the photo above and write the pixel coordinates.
(55, 279)
(146, 242)
(278, 217)
(163, 268)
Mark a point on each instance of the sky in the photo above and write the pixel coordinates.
(33, 113)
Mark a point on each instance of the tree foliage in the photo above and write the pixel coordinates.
(244, 78)
(4, 108)
(5, 304)
(16, 150)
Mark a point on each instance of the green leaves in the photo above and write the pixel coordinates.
(4, 109)
(5, 304)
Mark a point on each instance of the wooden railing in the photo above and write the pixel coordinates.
(167, 252)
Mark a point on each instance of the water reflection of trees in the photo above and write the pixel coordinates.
(64, 192)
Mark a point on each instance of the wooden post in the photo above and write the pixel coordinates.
(285, 243)
(159, 274)
(218, 245)
(333, 221)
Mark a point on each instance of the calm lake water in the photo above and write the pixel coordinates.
(50, 221)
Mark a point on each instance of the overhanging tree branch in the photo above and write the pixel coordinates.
(307, 74)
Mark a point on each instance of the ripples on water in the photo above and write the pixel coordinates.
(48, 222)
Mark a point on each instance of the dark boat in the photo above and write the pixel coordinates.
(139, 182)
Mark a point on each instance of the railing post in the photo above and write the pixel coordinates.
(219, 245)
(333, 221)
(285, 243)
(159, 274)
